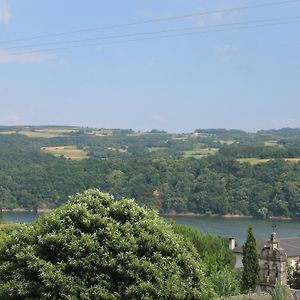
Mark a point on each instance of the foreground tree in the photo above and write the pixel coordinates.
(250, 261)
(97, 248)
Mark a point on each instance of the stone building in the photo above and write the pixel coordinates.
(272, 262)
(290, 245)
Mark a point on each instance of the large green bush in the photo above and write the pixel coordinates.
(97, 248)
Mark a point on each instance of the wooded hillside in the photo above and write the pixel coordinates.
(208, 171)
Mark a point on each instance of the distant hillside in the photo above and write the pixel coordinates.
(214, 171)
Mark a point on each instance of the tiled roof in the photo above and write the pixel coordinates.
(291, 246)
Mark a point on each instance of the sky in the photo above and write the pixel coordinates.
(150, 65)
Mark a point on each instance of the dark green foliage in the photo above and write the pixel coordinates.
(97, 248)
(250, 261)
(217, 257)
(213, 250)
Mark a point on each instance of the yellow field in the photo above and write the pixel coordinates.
(180, 137)
(8, 132)
(256, 161)
(294, 160)
(46, 133)
(70, 152)
(272, 143)
(253, 160)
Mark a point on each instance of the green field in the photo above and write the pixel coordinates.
(70, 152)
(200, 153)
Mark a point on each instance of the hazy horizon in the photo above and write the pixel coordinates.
(139, 130)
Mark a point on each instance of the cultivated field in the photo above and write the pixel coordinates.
(70, 152)
(8, 132)
(40, 132)
(46, 132)
(226, 142)
(155, 149)
(272, 143)
(199, 153)
(256, 161)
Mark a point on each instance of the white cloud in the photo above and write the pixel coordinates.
(5, 13)
(23, 58)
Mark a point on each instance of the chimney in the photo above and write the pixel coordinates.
(231, 243)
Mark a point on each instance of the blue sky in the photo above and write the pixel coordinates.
(247, 79)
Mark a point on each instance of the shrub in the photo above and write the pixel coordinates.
(97, 248)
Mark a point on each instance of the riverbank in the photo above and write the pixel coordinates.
(190, 214)
(39, 210)
(227, 216)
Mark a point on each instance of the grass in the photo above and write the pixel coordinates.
(256, 161)
(70, 152)
(200, 153)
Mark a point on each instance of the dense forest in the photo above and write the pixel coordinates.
(212, 171)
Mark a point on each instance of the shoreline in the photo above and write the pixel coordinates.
(39, 210)
(190, 214)
(227, 216)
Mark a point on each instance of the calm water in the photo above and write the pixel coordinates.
(20, 216)
(218, 226)
(237, 228)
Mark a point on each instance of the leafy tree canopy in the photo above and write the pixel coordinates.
(97, 248)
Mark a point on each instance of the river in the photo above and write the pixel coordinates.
(237, 227)
(234, 227)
